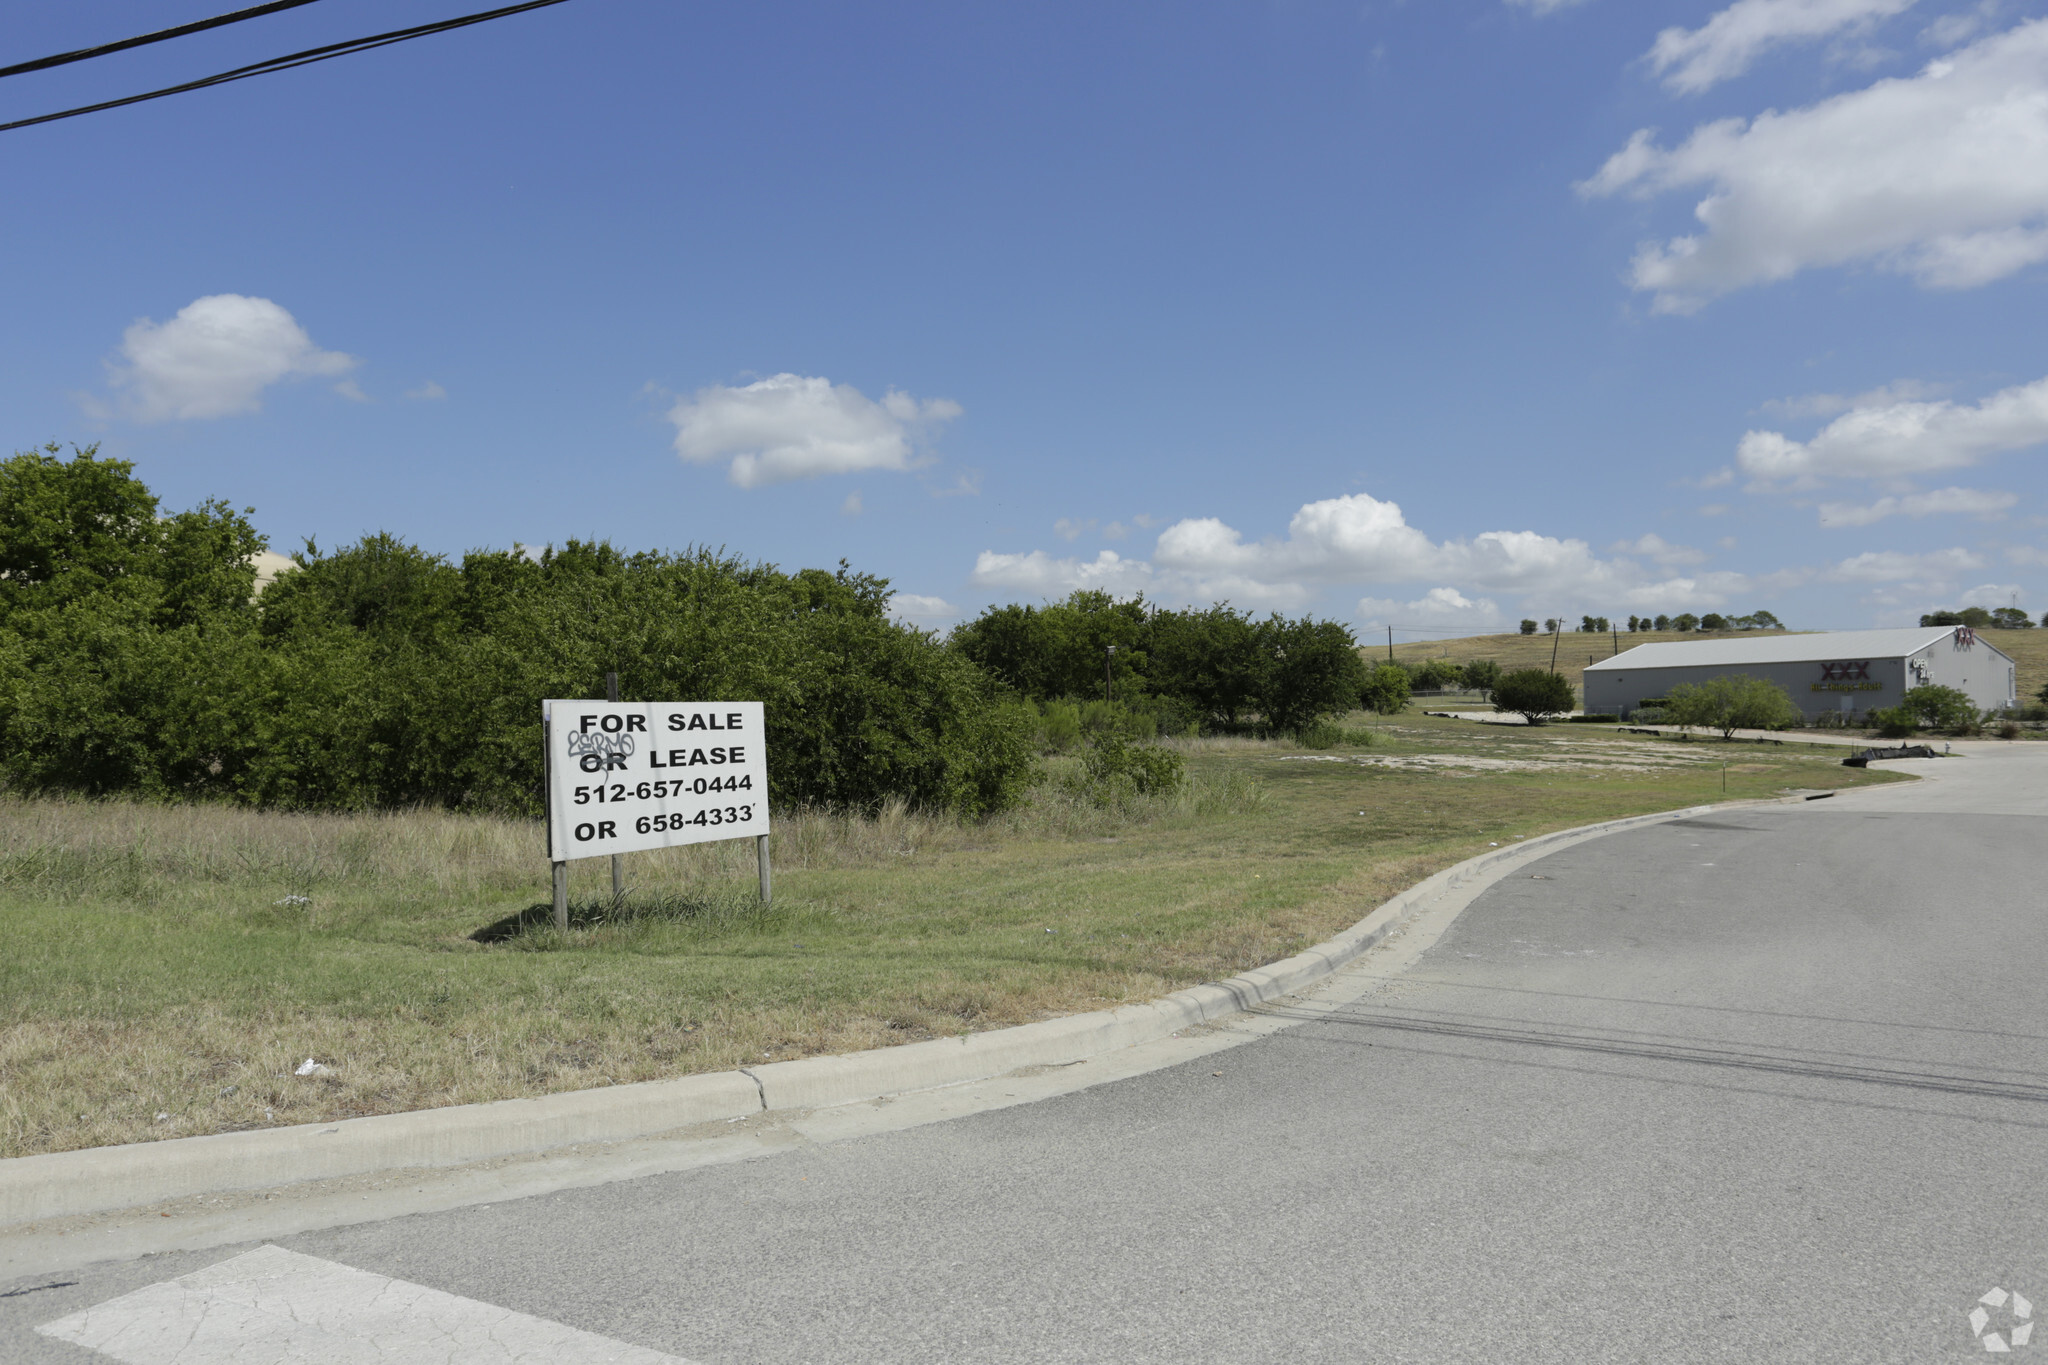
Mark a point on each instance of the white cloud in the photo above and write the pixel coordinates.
(1356, 539)
(792, 426)
(1953, 30)
(1942, 501)
(920, 610)
(1991, 595)
(1654, 547)
(2027, 554)
(427, 392)
(1942, 176)
(1898, 566)
(1069, 530)
(1437, 609)
(1040, 575)
(1834, 404)
(215, 358)
(1902, 438)
(349, 389)
(1723, 48)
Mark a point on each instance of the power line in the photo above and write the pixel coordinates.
(286, 63)
(198, 26)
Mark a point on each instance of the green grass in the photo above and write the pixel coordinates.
(181, 960)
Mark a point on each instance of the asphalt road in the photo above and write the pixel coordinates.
(1769, 1085)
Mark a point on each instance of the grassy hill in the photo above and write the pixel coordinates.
(2028, 649)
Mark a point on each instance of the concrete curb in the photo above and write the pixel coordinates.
(103, 1179)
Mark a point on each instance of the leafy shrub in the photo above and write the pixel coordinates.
(1145, 768)
(1482, 676)
(2010, 729)
(1438, 674)
(1059, 727)
(132, 659)
(1941, 708)
(1534, 693)
(1894, 722)
(1385, 690)
(1732, 702)
(1649, 715)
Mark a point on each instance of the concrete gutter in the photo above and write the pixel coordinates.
(105, 1179)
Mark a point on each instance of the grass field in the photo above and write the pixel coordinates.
(2027, 648)
(1574, 650)
(169, 966)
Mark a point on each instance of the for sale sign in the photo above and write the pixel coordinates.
(628, 775)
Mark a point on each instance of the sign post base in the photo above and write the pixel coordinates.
(562, 897)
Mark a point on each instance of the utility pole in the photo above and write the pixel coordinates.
(1556, 635)
(1390, 644)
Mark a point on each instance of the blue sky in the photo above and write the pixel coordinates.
(1428, 314)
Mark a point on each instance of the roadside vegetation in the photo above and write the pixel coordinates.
(171, 965)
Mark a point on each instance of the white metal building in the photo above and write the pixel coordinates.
(1835, 671)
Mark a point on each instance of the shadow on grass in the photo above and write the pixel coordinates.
(534, 927)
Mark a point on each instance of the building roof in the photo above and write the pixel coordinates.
(1731, 651)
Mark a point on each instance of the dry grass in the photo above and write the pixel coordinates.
(169, 966)
(2028, 650)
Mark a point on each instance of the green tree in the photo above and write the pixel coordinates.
(1384, 691)
(1482, 676)
(1210, 661)
(1714, 620)
(1534, 693)
(1685, 622)
(1528, 626)
(2010, 618)
(1663, 623)
(1313, 672)
(1941, 708)
(1432, 674)
(1731, 702)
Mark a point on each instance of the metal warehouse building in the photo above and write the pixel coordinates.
(1836, 671)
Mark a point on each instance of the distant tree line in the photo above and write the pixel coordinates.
(1216, 669)
(1979, 618)
(1685, 622)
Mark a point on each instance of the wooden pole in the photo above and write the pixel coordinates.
(561, 869)
(1556, 634)
(1390, 644)
(611, 693)
(767, 888)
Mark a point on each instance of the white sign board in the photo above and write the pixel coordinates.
(628, 775)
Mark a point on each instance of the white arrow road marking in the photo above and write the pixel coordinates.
(280, 1308)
